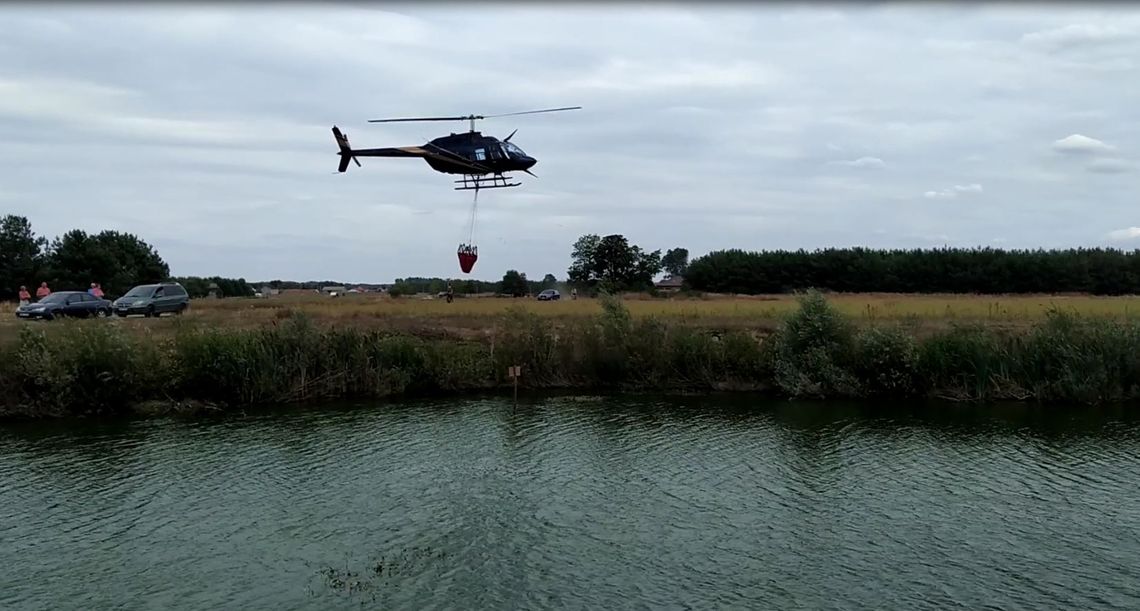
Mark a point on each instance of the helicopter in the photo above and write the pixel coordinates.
(471, 154)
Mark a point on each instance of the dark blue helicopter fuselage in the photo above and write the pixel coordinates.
(499, 156)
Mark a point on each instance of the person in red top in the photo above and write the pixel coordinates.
(96, 290)
(43, 291)
(25, 296)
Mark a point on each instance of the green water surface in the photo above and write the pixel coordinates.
(577, 503)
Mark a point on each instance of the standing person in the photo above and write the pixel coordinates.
(43, 291)
(98, 290)
(25, 296)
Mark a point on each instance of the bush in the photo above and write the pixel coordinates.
(886, 362)
(814, 351)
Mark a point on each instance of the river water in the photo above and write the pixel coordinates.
(577, 503)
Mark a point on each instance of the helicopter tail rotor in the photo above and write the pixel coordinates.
(345, 150)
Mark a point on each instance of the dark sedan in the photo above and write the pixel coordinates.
(66, 303)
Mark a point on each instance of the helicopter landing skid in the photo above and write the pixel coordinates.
(474, 182)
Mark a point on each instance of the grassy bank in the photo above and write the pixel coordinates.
(815, 350)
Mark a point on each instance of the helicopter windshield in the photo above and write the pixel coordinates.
(513, 150)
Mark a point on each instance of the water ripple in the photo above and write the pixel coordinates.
(616, 504)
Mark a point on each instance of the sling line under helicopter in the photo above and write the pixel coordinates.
(468, 252)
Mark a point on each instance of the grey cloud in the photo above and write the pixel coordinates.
(1110, 166)
(1078, 34)
(205, 128)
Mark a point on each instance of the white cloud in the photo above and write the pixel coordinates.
(1081, 144)
(1130, 233)
(863, 162)
(953, 192)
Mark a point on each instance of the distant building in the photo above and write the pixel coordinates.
(333, 290)
(670, 284)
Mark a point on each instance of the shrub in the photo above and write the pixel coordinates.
(813, 351)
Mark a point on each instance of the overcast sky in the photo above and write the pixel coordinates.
(205, 129)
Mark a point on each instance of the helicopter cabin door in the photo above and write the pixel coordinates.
(495, 151)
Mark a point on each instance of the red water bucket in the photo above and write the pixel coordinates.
(467, 257)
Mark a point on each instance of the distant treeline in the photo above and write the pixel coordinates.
(418, 284)
(308, 285)
(226, 287)
(1098, 271)
(509, 284)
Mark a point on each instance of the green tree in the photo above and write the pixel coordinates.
(584, 266)
(675, 261)
(612, 263)
(21, 255)
(548, 281)
(513, 283)
(114, 259)
(941, 270)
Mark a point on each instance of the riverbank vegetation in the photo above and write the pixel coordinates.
(815, 350)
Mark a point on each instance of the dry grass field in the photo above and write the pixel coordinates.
(470, 316)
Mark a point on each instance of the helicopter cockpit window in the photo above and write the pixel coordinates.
(513, 150)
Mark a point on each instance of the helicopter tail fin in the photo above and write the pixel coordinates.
(345, 150)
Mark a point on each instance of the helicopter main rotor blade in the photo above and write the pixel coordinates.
(473, 117)
(530, 112)
(423, 119)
